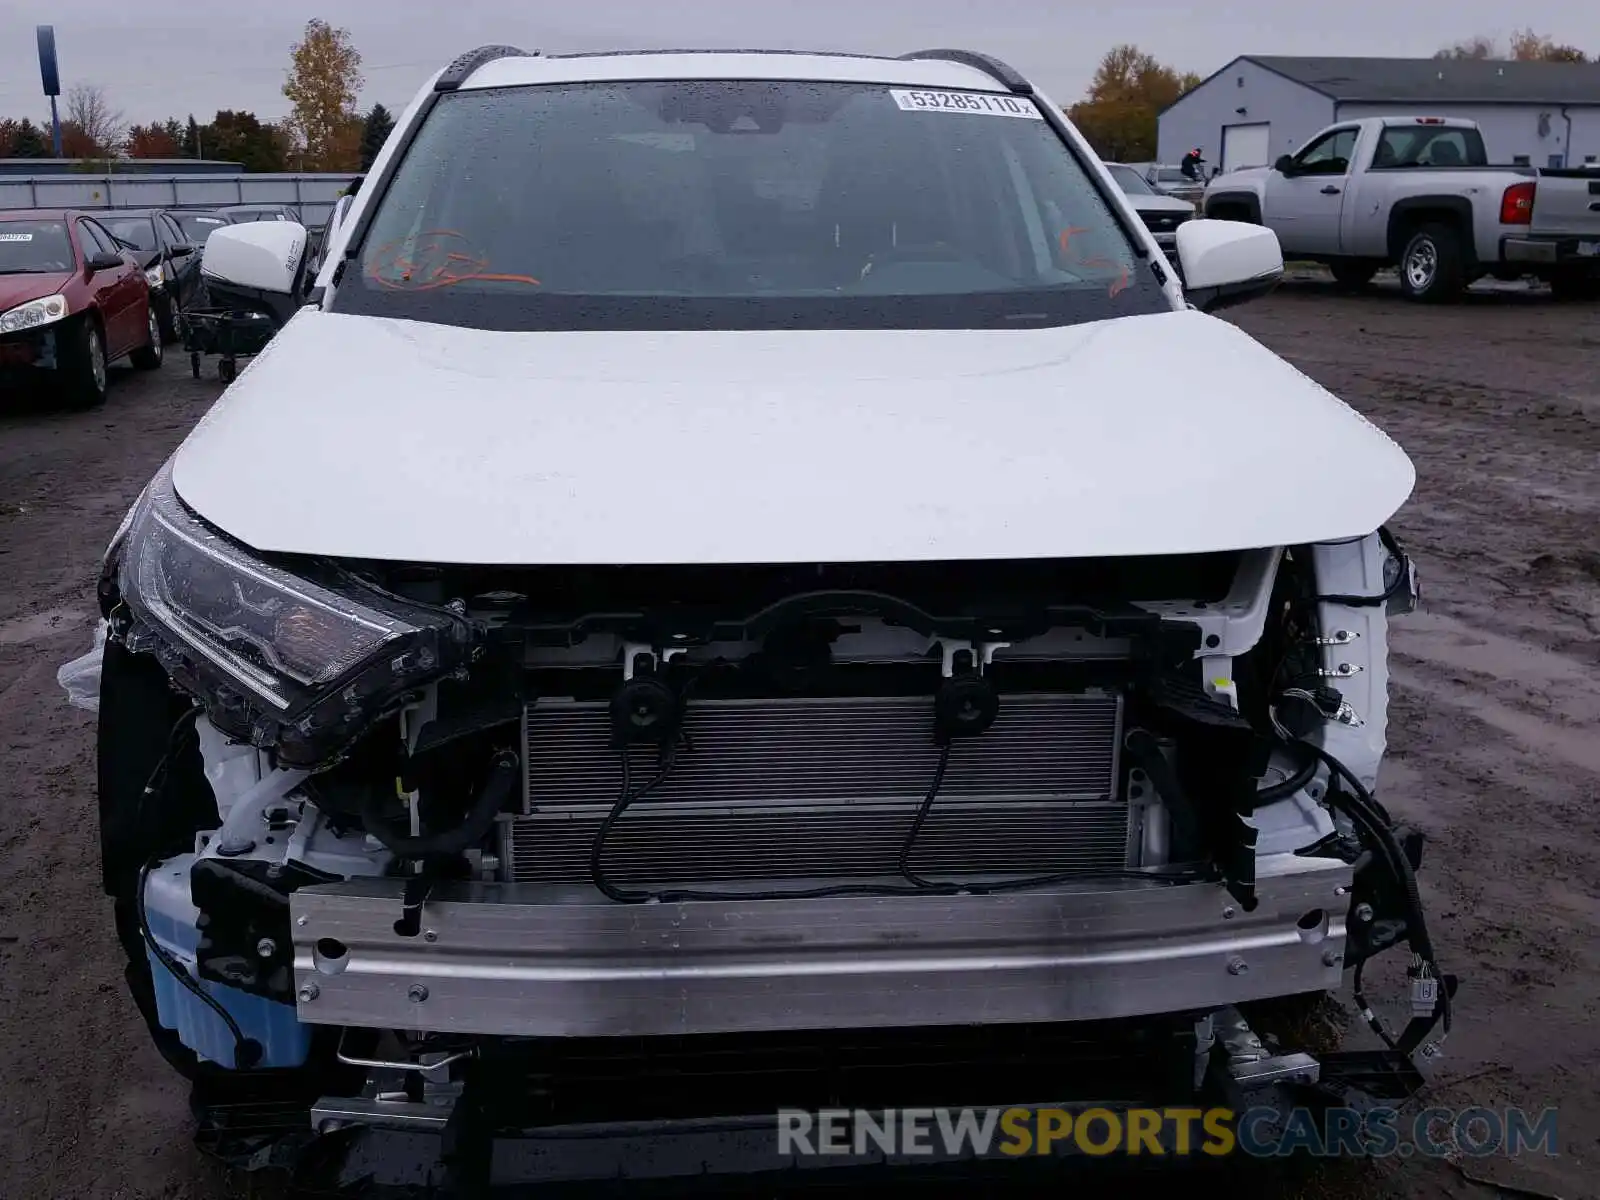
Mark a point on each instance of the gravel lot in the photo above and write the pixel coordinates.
(1494, 733)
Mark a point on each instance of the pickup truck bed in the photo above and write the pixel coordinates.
(1418, 194)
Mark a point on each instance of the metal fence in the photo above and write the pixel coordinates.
(311, 196)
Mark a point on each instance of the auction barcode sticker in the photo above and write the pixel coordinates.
(983, 103)
(16, 237)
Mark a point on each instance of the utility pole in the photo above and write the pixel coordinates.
(50, 76)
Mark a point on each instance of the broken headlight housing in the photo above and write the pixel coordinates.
(299, 664)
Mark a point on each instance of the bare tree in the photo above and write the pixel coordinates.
(1473, 48)
(90, 113)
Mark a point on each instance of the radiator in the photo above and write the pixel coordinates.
(826, 789)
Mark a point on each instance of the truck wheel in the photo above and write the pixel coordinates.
(83, 365)
(1432, 266)
(148, 357)
(1352, 275)
(1574, 285)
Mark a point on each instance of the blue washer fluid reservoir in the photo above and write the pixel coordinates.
(285, 1042)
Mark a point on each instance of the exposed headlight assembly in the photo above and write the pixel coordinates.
(155, 276)
(299, 665)
(44, 311)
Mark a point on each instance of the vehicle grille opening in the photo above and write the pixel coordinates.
(827, 788)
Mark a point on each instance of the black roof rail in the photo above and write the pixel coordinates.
(1000, 72)
(458, 71)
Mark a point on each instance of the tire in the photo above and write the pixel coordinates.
(1352, 274)
(1574, 285)
(148, 357)
(1433, 265)
(83, 365)
(167, 315)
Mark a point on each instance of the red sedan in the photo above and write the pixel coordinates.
(72, 300)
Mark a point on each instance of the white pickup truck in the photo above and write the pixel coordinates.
(1419, 194)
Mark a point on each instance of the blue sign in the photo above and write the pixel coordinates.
(48, 73)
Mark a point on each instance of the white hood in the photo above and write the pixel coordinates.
(1162, 204)
(386, 439)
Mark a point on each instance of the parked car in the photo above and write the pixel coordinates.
(168, 257)
(198, 224)
(1418, 193)
(686, 605)
(239, 214)
(72, 300)
(1161, 213)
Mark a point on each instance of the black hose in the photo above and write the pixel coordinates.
(923, 809)
(1371, 818)
(474, 826)
(625, 800)
(1285, 788)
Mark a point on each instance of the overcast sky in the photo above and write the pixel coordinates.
(158, 58)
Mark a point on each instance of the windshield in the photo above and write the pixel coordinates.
(138, 232)
(197, 228)
(1130, 180)
(1171, 175)
(31, 247)
(743, 205)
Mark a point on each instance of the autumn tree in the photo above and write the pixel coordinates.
(1526, 46)
(1529, 46)
(1472, 48)
(324, 79)
(1128, 92)
(91, 128)
(154, 140)
(375, 131)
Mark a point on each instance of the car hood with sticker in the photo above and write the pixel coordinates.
(376, 438)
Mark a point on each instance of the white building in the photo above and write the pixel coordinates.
(1261, 106)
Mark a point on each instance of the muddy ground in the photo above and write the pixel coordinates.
(1495, 734)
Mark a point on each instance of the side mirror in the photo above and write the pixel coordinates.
(260, 256)
(105, 262)
(182, 250)
(1224, 263)
(1284, 165)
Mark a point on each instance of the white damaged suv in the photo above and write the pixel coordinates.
(698, 588)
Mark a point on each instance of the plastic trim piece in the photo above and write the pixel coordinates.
(459, 71)
(1001, 72)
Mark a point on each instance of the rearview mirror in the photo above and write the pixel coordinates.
(1284, 165)
(104, 262)
(1224, 263)
(259, 256)
(182, 250)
